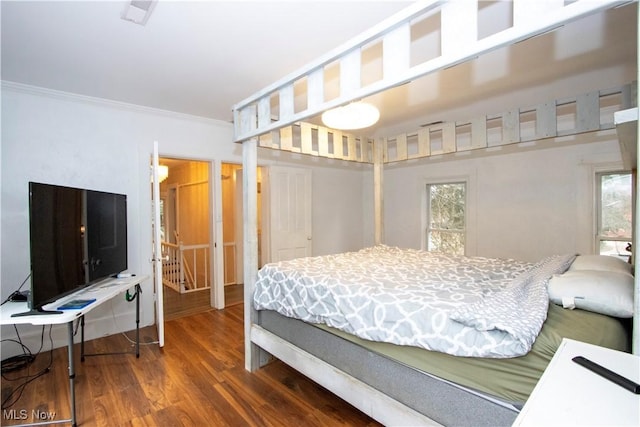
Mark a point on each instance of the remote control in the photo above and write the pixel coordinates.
(608, 374)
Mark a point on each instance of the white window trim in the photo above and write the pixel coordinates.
(616, 168)
(469, 219)
(592, 194)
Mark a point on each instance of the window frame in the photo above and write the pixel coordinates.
(598, 237)
(426, 217)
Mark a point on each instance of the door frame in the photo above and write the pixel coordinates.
(263, 207)
(216, 292)
(155, 243)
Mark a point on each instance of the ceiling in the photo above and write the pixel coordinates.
(202, 57)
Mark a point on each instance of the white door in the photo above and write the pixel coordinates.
(157, 249)
(290, 213)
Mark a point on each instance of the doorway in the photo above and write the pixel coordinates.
(186, 236)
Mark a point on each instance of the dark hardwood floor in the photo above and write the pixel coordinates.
(179, 305)
(197, 379)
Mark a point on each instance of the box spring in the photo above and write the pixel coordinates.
(441, 401)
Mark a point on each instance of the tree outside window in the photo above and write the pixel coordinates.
(614, 214)
(446, 217)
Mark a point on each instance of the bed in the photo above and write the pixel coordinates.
(368, 374)
(377, 315)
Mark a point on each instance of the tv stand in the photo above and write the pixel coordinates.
(36, 313)
(13, 313)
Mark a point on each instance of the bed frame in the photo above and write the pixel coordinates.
(259, 123)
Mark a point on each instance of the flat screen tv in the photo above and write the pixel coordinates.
(77, 237)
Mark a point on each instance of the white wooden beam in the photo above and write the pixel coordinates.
(338, 146)
(306, 138)
(511, 127)
(323, 141)
(396, 47)
(589, 118)
(250, 245)
(264, 112)
(352, 150)
(286, 138)
(478, 134)
(315, 88)
(416, 9)
(367, 399)
(286, 102)
(378, 190)
(527, 10)
(401, 147)
(459, 27)
(588, 112)
(523, 30)
(350, 70)
(626, 122)
(424, 145)
(546, 120)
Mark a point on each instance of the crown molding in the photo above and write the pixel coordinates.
(74, 97)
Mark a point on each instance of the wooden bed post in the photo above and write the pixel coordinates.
(250, 247)
(378, 202)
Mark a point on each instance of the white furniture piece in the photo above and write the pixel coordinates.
(569, 394)
(101, 291)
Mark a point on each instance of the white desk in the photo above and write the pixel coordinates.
(569, 394)
(102, 291)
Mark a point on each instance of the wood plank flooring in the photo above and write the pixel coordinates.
(197, 379)
(178, 305)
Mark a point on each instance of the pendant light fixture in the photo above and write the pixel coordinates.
(357, 115)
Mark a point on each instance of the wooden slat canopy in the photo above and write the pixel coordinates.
(274, 107)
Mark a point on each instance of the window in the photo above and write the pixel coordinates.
(446, 217)
(613, 233)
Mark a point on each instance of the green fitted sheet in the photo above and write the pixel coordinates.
(511, 379)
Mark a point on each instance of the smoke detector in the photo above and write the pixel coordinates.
(138, 11)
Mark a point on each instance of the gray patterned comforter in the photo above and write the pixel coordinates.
(465, 306)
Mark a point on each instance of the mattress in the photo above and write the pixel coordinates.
(465, 306)
(512, 379)
(451, 390)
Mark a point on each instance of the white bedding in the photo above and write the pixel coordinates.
(465, 306)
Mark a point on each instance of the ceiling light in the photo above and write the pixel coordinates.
(138, 11)
(163, 172)
(357, 115)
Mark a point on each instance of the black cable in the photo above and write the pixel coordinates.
(19, 361)
(16, 393)
(75, 329)
(17, 292)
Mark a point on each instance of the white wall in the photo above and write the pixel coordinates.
(523, 203)
(81, 142)
(84, 142)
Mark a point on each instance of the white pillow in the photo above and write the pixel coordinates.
(604, 292)
(600, 262)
